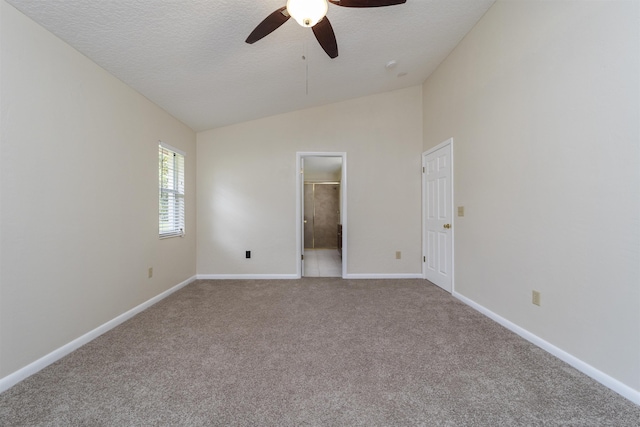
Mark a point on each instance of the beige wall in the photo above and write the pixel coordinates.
(247, 182)
(79, 195)
(542, 99)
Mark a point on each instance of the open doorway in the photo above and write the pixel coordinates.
(321, 225)
(321, 214)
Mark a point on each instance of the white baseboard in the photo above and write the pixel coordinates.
(295, 276)
(246, 276)
(604, 379)
(23, 373)
(384, 276)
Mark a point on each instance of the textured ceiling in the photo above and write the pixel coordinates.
(190, 58)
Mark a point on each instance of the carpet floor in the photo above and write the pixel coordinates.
(312, 352)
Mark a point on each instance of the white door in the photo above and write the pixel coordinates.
(301, 196)
(437, 199)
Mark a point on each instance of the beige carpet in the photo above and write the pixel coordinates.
(313, 352)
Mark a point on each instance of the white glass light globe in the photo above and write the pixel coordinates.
(307, 12)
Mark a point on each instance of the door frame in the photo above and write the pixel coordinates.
(449, 143)
(300, 156)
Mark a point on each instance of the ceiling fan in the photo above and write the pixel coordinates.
(312, 13)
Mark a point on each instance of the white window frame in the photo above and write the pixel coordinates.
(171, 214)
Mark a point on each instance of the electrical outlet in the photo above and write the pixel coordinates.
(398, 255)
(247, 254)
(535, 297)
(150, 274)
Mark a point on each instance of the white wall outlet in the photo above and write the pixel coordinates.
(150, 274)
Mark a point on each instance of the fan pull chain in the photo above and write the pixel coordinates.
(306, 66)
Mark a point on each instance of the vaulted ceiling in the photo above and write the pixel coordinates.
(190, 56)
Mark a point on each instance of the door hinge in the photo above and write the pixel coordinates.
(302, 257)
(424, 259)
(423, 169)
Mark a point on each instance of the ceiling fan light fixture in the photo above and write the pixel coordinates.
(307, 12)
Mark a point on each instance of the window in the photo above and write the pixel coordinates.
(171, 173)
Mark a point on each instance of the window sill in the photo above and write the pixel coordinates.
(169, 236)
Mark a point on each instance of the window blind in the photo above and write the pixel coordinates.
(171, 209)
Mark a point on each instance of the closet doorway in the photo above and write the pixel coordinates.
(322, 214)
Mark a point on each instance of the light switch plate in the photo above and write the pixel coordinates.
(460, 210)
(535, 297)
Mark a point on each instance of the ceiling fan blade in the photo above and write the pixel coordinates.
(326, 37)
(366, 3)
(269, 25)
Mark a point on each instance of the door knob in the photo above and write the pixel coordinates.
(447, 226)
(305, 221)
